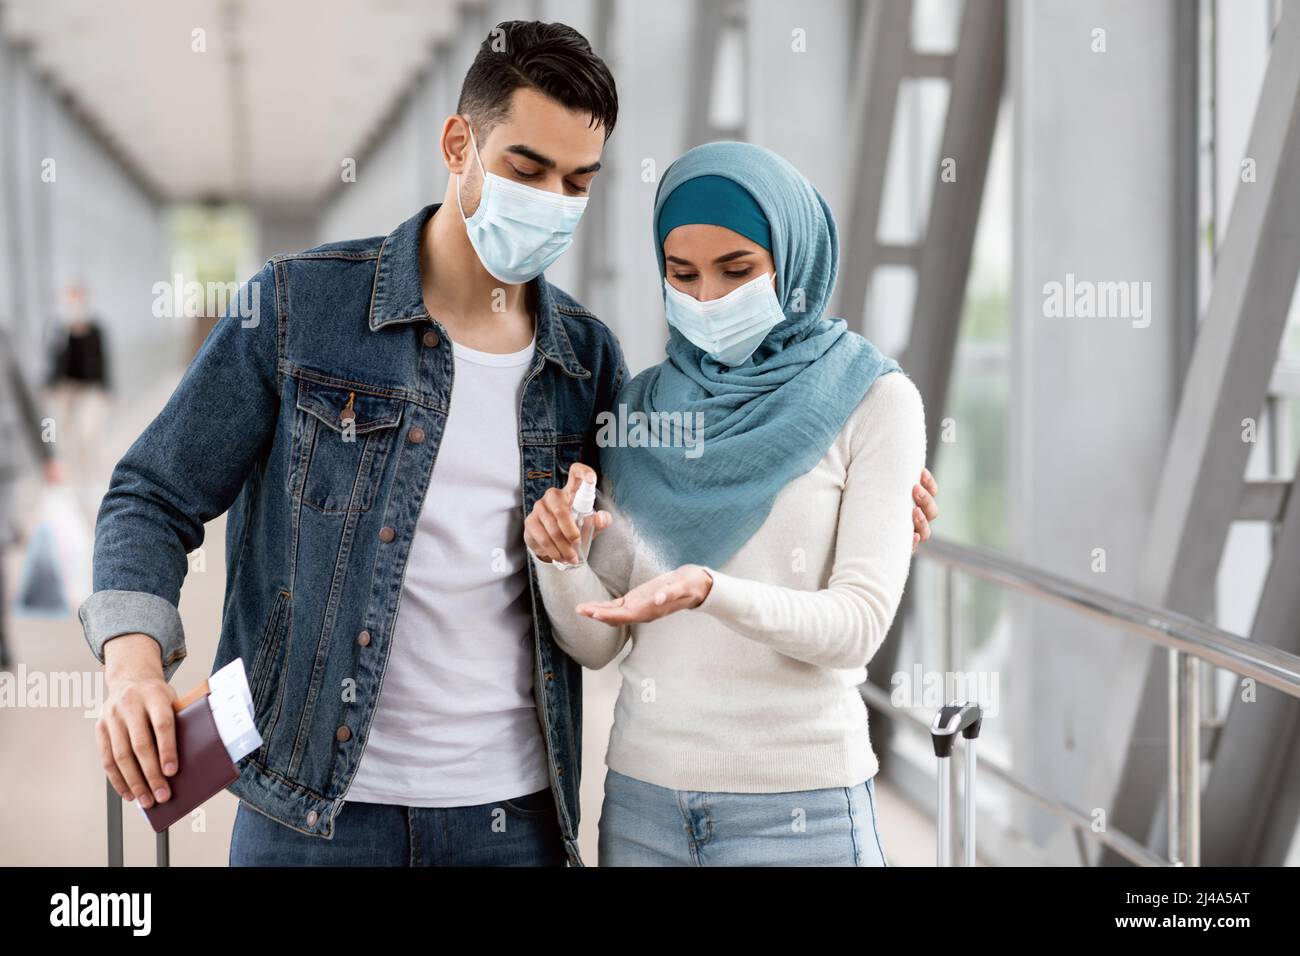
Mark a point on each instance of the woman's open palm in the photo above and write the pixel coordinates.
(677, 590)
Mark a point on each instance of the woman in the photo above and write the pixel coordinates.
(761, 570)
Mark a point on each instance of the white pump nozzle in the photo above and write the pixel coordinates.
(584, 501)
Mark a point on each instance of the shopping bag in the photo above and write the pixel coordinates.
(40, 591)
(56, 575)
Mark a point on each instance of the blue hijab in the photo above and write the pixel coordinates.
(766, 421)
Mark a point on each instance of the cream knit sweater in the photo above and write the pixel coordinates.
(755, 691)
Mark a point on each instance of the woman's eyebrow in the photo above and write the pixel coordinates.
(678, 262)
(734, 255)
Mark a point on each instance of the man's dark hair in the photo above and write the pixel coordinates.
(551, 58)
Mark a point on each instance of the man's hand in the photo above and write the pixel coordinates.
(550, 531)
(926, 510)
(137, 729)
(678, 590)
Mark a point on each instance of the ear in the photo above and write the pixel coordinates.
(457, 152)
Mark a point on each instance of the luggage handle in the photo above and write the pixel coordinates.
(966, 718)
(162, 844)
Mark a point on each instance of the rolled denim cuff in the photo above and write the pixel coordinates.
(109, 614)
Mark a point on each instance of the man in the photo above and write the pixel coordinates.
(20, 428)
(378, 428)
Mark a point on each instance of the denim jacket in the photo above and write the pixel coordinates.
(313, 414)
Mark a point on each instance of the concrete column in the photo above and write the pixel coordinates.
(28, 213)
(589, 247)
(649, 50)
(9, 245)
(1092, 393)
(797, 79)
(284, 231)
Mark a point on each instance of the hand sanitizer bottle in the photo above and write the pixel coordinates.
(584, 516)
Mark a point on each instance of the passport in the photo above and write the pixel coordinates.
(214, 730)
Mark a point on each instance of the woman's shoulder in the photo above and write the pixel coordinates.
(891, 395)
(891, 411)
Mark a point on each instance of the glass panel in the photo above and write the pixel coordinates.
(936, 25)
(727, 103)
(913, 160)
(890, 298)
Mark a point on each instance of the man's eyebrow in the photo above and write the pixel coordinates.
(529, 153)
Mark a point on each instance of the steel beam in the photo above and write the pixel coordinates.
(1263, 500)
(1244, 794)
(884, 52)
(945, 254)
(1227, 382)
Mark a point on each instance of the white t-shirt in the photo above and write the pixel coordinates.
(456, 723)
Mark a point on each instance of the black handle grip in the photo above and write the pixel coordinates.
(964, 716)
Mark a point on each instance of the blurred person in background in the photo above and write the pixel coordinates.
(79, 383)
(21, 439)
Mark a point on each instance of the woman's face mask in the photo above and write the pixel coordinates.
(518, 230)
(729, 329)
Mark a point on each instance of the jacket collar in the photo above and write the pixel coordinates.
(397, 295)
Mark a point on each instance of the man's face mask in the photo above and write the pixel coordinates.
(729, 329)
(518, 230)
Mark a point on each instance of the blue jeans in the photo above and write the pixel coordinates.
(524, 831)
(647, 825)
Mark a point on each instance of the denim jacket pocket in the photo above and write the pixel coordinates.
(267, 672)
(268, 648)
(341, 439)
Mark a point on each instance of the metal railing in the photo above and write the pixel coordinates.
(1189, 642)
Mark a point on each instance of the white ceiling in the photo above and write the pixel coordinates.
(284, 92)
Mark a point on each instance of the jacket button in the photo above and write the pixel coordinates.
(415, 436)
(343, 734)
(431, 339)
(312, 817)
(387, 534)
(364, 638)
